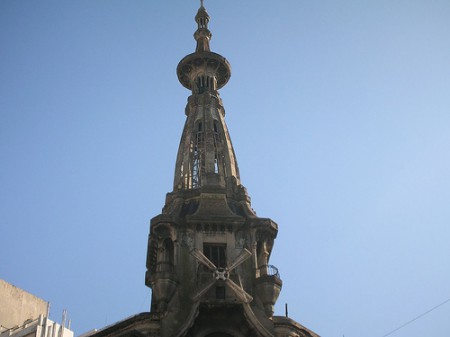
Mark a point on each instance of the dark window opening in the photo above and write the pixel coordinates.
(205, 83)
(220, 293)
(216, 253)
(197, 157)
(219, 334)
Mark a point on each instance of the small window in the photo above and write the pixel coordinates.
(216, 253)
(220, 293)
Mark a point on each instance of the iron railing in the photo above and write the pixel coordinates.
(268, 270)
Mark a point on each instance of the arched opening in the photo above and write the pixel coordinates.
(197, 156)
(166, 254)
(206, 83)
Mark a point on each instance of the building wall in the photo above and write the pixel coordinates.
(40, 327)
(18, 306)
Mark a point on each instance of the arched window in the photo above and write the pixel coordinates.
(197, 156)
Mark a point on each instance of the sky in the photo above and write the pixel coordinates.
(339, 113)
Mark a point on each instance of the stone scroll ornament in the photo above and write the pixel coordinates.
(187, 239)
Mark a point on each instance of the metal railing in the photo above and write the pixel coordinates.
(268, 270)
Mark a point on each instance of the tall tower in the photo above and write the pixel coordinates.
(208, 253)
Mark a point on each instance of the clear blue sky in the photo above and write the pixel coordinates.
(339, 112)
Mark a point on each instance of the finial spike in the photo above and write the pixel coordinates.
(201, 3)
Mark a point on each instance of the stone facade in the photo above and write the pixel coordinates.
(208, 253)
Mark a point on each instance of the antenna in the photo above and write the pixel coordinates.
(64, 318)
(286, 309)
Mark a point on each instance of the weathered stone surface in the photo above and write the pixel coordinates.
(17, 306)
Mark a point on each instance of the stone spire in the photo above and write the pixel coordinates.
(208, 253)
(202, 35)
(208, 256)
(206, 158)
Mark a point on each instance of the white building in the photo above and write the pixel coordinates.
(24, 315)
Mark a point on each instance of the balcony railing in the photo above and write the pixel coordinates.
(268, 270)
